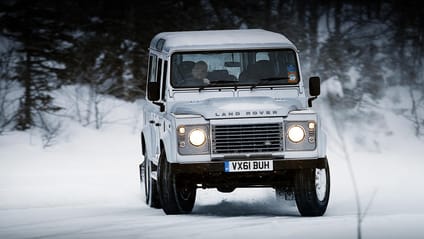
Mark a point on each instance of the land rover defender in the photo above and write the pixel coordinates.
(228, 109)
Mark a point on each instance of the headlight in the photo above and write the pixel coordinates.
(300, 135)
(296, 133)
(197, 137)
(193, 139)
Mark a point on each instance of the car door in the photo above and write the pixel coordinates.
(154, 116)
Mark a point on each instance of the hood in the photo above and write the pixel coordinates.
(240, 107)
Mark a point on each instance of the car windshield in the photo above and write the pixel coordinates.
(234, 68)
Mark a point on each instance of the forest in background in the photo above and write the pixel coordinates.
(361, 47)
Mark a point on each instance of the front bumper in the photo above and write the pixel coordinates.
(218, 166)
(213, 175)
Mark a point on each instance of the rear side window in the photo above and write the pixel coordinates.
(152, 68)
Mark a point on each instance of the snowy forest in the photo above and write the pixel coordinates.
(362, 47)
(72, 92)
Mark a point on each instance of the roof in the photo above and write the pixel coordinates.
(218, 40)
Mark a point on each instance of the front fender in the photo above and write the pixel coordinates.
(322, 141)
(146, 137)
(168, 142)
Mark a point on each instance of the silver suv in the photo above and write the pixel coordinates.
(228, 109)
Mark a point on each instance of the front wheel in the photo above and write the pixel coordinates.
(312, 190)
(177, 195)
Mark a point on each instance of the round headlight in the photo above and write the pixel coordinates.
(197, 137)
(296, 133)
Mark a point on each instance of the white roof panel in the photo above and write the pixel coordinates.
(218, 39)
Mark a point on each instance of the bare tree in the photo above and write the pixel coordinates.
(414, 115)
(9, 97)
(360, 212)
(50, 129)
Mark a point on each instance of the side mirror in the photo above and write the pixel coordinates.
(314, 86)
(153, 91)
(314, 89)
(153, 94)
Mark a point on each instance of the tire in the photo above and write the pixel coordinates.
(150, 185)
(312, 190)
(177, 196)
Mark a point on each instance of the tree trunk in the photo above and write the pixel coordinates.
(24, 120)
(313, 31)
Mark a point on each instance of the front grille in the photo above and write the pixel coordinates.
(250, 138)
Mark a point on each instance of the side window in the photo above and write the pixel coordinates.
(159, 71)
(165, 69)
(159, 77)
(152, 68)
(153, 90)
(232, 63)
(261, 56)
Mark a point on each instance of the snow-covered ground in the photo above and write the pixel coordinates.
(87, 186)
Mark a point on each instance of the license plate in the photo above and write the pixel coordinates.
(248, 166)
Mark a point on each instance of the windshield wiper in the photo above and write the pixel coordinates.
(265, 80)
(215, 83)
